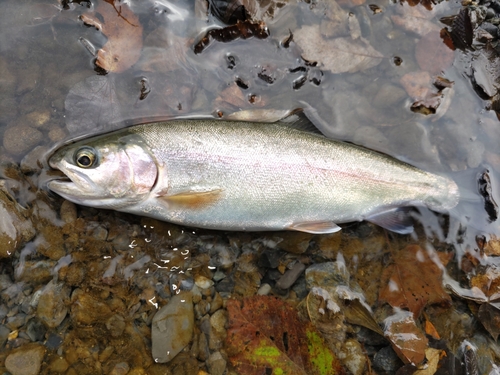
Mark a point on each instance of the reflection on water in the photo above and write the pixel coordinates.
(80, 287)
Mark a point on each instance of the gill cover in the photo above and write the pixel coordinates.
(104, 174)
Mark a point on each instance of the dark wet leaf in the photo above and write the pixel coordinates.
(356, 313)
(90, 104)
(228, 11)
(461, 30)
(243, 30)
(489, 317)
(407, 340)
(413, 281)
(124, 32)
(265, 336)
(485, 189)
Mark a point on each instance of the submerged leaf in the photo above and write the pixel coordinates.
(408, 341)
(124, 32)
(339, 55)
(413, 281)
(266, 336)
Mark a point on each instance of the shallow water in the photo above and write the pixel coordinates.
(52, 92)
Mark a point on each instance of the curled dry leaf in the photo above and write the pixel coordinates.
(433, 356)
(124, 32)
(339, 55)
(413, 281)
(265, 336)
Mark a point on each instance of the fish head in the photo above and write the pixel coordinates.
(104, 173)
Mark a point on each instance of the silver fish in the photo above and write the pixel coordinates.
(244, 176)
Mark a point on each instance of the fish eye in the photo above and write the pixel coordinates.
(86, 157)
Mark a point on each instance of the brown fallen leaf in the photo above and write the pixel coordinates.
(415, 19)
(407, 340)
(432, 54)
(433, 356)
(339, 55)
(124, 32)
(265, 335)
(413, 281)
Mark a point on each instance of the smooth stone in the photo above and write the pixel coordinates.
(121, 368)
(327, 274)
(290, 276)
(4, 335)
(216, 364)
(386, 361)
(36, 330)
(216, 303)
(203, 282)
(52, 304)
(353, 357)
(68, 212)
(19, 140)
(264, 289)
(172, 327)
(15, 227)
(26, 360)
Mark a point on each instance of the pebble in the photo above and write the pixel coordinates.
(290, 276)
(295, 242)
(327, 274)
(26, 360)
(68, 212)
(36, 330)
(116, 325)
(172, 327)
(121, 368)
(58, 365)
(216, 364)
(386, 361)
(15, 228)
(87, 310)
(51, 308)
(203, 351)
(4, 334)
(203, 282)
(216, 303)
(353, 357)
(264, 289)
(19, 140)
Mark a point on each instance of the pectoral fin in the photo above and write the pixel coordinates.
(396, 220)
(192, 199)
(316, 227)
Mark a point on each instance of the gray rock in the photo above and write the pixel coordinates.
(52, 305)
(4, 335)
(36, 330)
(386, 361)
(20, 139)
(216, 364)
(27, 360)
(15, 226)
(327, 274)
(290, 276)
(203, 351)
(172, 327)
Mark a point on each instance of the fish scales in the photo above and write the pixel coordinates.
(252, 176)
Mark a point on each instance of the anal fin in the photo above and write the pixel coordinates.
(396, 220)
(315, 227)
